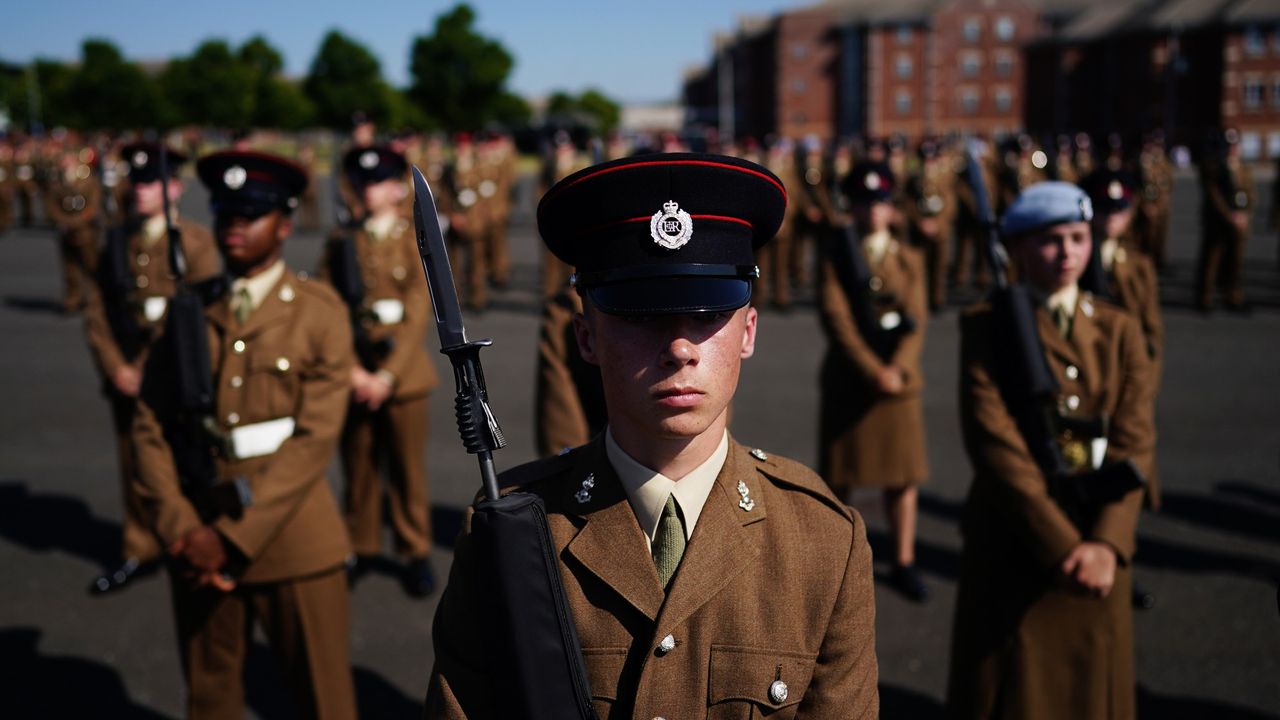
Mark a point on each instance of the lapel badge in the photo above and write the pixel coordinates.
(746, 503)
(583, 496)
(369, 160)
(672, 227)
(760, 455)
(140, 159)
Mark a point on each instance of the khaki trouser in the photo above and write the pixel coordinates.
(137, 542)
(469, 248)
(774, 260)
(79, 263)
(1221, 256)
(555, 274)
(397, 434)
(307, 623)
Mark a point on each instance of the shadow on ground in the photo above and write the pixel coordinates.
(41, 523)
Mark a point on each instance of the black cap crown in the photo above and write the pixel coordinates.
(869, 182)
(666, 233)
(373, 163)
(250, 184)
(144, 161)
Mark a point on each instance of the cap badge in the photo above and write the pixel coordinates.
(672, 227)
(873, 181)
(234, 177)
(369, 160)
(746, 503)
(1114, 190)
(1086, 209)
(140, 158)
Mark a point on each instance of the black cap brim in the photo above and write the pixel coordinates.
(671, 295)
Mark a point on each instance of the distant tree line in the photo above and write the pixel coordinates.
(458, 82)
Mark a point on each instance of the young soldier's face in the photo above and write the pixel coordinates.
(1056, 257)
(384, 196)
(667, 376)
(149, 197)
(1115, 224)
(247, 243)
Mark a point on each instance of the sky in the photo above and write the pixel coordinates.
(633, 51)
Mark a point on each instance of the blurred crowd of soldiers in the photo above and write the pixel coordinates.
(926, 250)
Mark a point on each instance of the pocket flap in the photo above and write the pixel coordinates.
(743, 673)
(604, 669)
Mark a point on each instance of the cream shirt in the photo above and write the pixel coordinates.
(1065, 299)
(877, 245)
(647, 491)
(153, 228)
(380, 226)
(1108, 253)
(259, 285)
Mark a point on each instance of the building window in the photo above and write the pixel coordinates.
(1004, 100)
(799, 118)
(970, 64)
(904, 34)
(972, 30)
(1004, 65)
(1275, 91)
(799, 51)
(969, 101)
(903, 66)
(1250, 145)
(902, 102)
(798, 86)
(1275, 41)
(1004, 28)
(1254, 43)
(1253, 94)
(1273, 145)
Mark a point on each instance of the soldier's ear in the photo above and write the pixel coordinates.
(584, 334)
(749, 332)
(284, 228)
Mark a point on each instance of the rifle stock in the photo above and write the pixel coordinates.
(856, 280)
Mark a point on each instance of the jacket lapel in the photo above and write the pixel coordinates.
(610, 544)
(721, 545)
(274, 308)
(1085, 335)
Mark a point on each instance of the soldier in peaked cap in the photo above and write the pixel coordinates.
(1043, 626)
(1227, 199)
(124, 315)
(871, 421)
(375, 269)
(281, 376)
(73, 199)
(703, 577)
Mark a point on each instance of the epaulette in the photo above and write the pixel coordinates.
(211, 289)
(530, 473)
(791, 474)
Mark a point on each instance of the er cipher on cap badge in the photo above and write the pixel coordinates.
(672, 227)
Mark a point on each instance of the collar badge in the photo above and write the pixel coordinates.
(672, 227)
(746, 503)
(583, 496)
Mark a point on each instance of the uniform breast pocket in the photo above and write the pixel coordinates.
(273, 385)
(604, 669)
(750, 683)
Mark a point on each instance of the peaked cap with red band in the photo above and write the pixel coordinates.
(250, 184)
(664, 233)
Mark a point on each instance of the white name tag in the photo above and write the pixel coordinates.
(1097, 451)
(388, 312)
(890, 320)
(260, 439)
(153, 308)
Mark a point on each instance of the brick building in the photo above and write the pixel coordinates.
(915, 67)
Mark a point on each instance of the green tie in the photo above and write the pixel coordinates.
(1062, 320)
(668, 544)
(244, 305)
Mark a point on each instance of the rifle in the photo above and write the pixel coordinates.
(344, 273)
(193, 438)
(882, 333)
(1030, 390)
(533, 629)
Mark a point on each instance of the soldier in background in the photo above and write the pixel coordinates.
(816, 209)
(1043, 627)
(970, 263)
(124, 316)
(1084, 162)
(1022, 165)
(498, 158)
(871, 418)
(8, 184)
(26, 162)
(309, 204)
(1226, 187)
(363, 133)
(468, 182)
(560, 162)
(386, 424)
(272, 553)
(73, 202)
(1064, 161)
(930, 212)
(775, 258)
(568, 397)
(1151, 223)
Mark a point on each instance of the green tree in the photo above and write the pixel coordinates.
(211, 87)
(459, 75)
(111, 92)
(604, 110)
(51, 82)
(277, 101)
(344, 78)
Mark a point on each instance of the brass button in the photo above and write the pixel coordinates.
(778, 692)
(144, 260)
(233, 418)
(238, 346)
(876, 283)
(237, 381)
(143, 281)
(667, 645)
(282, 364)
(1073, 372)
(1073, 402)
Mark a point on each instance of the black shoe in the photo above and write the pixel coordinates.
(357, 568)
(1143, 599)
(419, 580)
(907, 581)
(113, 580)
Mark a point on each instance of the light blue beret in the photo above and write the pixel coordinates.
(1043, 205)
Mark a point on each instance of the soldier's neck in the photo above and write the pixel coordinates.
(249, 271)
(673, 457)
